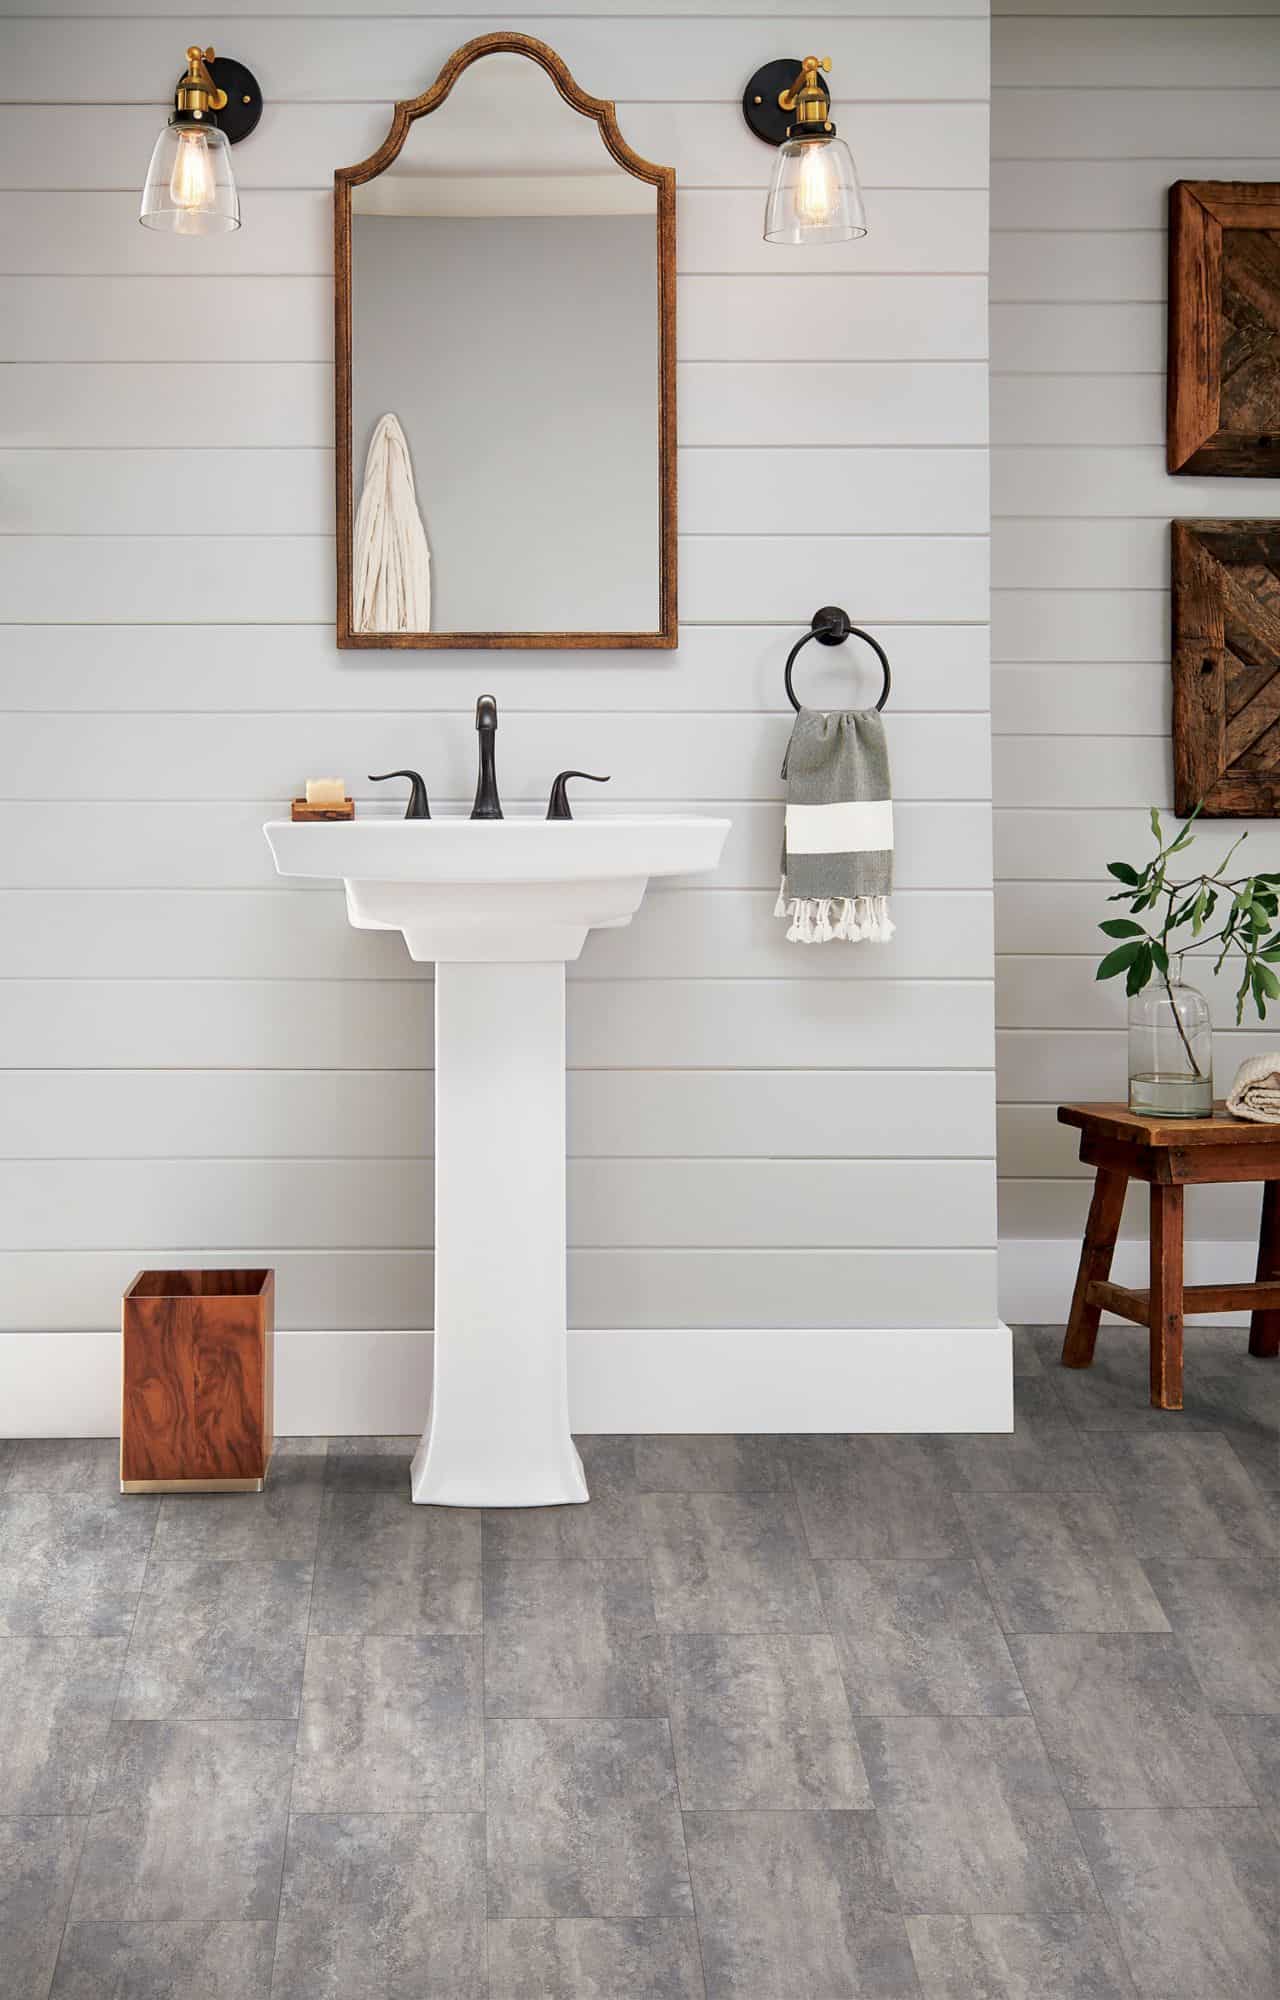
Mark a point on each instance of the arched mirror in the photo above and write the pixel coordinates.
(505, 354)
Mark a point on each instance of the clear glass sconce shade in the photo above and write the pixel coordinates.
(814, 196)
(190, 187)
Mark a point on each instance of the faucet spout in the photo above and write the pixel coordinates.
(487, 805)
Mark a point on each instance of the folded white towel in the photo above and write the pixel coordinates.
(1255, 1092)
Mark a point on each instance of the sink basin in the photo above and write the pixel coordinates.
(481, 891)
(499, 905)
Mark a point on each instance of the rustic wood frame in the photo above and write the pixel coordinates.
(1211, 602)
(664, 180)
(1199, 211)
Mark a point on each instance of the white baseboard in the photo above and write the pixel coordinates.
(901, 1378)
(1038, 1274)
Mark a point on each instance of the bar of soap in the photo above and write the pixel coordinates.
(325, 791)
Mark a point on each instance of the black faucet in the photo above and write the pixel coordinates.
(558, 803)
(487, 805)
(417, 807)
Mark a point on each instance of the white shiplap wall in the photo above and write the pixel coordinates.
(1093, 117)
(200, 1063)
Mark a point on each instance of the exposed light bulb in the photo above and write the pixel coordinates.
(815, 194)
(192, 183)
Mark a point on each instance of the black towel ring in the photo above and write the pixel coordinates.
(831, 627)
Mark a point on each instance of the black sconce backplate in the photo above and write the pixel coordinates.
(760, 106)
(243, 108)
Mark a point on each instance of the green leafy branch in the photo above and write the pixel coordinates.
(1244, 907)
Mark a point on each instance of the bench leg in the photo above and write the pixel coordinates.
(1096, 1251)
(1166, 1297)
(1264, 1327)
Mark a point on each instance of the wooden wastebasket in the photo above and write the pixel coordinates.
(196, 1406)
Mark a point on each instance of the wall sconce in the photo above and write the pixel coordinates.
(814, 196)
(190, 187)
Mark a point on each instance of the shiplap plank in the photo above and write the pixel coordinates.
(90, 233)
(1121, 124)
(1092, 339)
(1125, 698)
(193, 844)
(925, 145)
(1064, 846)
(463, 12)
(319, 1290)
(270, 404)
(1058, 1067)
(1034, 1146)
(344, 1024)
(713, 757)
(294, 667)
(1104, 194)
(1215, 51)
(1075, 554)
(1085, 625)
(1058, 992)
(1040, 1208)
(1107, 771)
(706, 933)
(265, 1205)
(370, 1114)
(1109, 483)
(1127, 266)
(192, 580)
(1078, 409)
(271, 492)
(384, 58)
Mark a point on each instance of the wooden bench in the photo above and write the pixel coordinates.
(1170, 1154)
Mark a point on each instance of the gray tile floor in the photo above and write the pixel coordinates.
(963, 1718)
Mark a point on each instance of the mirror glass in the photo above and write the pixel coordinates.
(507, 421)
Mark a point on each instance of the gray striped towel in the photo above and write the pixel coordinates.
(837, 850)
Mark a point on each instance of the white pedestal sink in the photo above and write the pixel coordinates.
(499, 905)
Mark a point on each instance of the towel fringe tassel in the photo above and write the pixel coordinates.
(818, 919)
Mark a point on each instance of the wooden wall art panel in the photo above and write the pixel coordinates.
(1226, 667)
(1224, 328)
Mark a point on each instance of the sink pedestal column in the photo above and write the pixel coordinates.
(498, 1431)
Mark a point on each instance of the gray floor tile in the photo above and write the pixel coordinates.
(1042, 1454)
(382, 1906)
(608, 1526)
(973, 1817)
(1255, 1742)
(584, 1958)
(144, 1961)
(762, 1722)
(583, 1820)
(874, 1497)
(72, 1562)
(218, 1639)
(711, 1465)
(390, 1725)
(571, 1638)
(1227, 1617)
(919, 1638)
(56, 1698)
(1125, 1721)
(408, 1601)
(369, 1464)
(1194, 1897)
(1018, 1958)
(379, 1530)
(278, 1525)
(37, 1869)
(800, 1904)
(66, 1465)
(1057, 1563)
(1185, 1494)
(8, 1452)
(729, 1562)
(188, 1823)
(1026, 1355)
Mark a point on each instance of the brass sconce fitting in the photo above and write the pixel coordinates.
(788, 99)
(197, 94)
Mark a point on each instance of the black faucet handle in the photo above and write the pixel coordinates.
(418, 806)
(558, 803)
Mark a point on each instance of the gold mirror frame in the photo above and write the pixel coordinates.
(664, 180)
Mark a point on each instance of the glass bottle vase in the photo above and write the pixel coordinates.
(1170, 1049)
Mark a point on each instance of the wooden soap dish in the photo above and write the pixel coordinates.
(301, 810)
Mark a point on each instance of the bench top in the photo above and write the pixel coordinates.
(1116, 1121)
